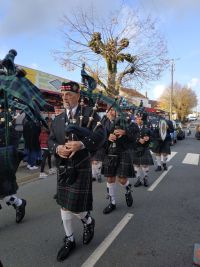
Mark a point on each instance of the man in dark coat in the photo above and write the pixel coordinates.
(10, 159)
(73, 136)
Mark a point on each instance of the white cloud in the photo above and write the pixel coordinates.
(27, 16)
(175, 6)
(194, 83)
(158, 90)
(34, 66)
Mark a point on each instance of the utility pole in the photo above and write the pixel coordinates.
(172, 87)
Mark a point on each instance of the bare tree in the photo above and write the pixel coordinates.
(119, 48)
(183, 101)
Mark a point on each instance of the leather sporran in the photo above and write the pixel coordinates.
(66, 175)
(112, 161)
(140, 151)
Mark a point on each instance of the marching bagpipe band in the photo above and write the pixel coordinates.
(157, 124)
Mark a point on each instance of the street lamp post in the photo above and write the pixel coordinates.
(171, 89)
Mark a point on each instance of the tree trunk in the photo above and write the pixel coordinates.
(111, 83)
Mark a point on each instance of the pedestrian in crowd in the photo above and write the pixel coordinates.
(46, 155)
(58, 110)
(188, 130)
(117, 162)
(96, 161)
(31, 133)
(18, 121)
(161, 148)
(72, 140)
(9, 162)
(142, 157)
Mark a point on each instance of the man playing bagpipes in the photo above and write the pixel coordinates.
(10, 159)
(16, 93)
(142, 158)
(161, 142)
(74, 134)
(117, 161)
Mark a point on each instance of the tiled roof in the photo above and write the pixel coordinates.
(154, 103)
(132, 92)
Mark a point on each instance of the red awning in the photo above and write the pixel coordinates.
(50, 92)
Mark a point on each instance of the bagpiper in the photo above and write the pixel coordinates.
(142, 157)
(10, 158)
(74, 134)
(117, 161)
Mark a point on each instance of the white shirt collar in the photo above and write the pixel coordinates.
(73, 110)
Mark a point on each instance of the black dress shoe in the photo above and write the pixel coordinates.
(129, 198)
(164, 167)
(146, 182)
(88, 232)
(20, 211)
(158, 169)
(138, 183)
(66, 249)
(109, 208)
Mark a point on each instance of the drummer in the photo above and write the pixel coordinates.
(161, 146)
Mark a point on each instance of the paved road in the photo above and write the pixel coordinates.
(158, 231)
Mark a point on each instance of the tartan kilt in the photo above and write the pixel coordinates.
(161, 147)
(145, 159)
(120, 165)
(8, 167)
(8, 184)
(98, 155)
(77, 197)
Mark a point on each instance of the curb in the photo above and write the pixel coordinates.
(28, 178)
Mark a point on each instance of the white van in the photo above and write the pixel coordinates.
(192, 117)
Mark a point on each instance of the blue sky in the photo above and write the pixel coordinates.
(32, 28)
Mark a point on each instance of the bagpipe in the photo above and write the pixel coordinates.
(93, 99)
(16, 93)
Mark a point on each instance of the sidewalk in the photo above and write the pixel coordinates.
(24, 174)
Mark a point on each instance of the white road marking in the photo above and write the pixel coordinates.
(95, 256)
(153, 186)
(169, 157)
(191, 158)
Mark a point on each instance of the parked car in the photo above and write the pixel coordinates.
(174, 134)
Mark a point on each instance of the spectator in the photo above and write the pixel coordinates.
(19, 117)
(31, 133)
(46, 155)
